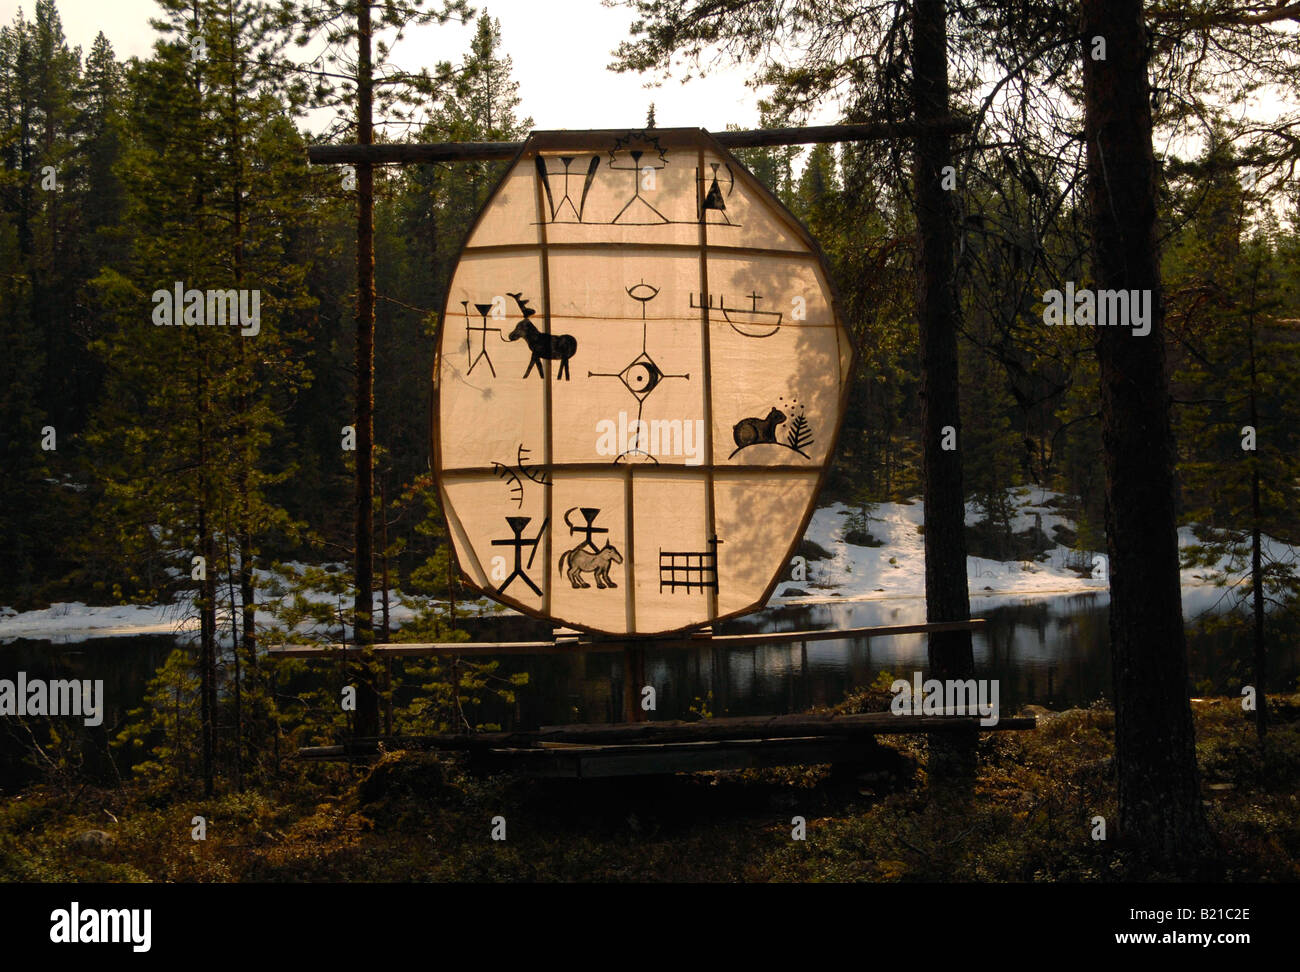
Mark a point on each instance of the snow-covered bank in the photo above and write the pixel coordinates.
(895, 570)
(66, 618)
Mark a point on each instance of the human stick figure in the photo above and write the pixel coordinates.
(517, 524)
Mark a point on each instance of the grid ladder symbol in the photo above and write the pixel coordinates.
(689, 570)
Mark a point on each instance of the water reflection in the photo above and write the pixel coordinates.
(1051, 651)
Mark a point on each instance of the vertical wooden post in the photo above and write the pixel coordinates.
(367, 714)
(457, 714)
(388, 696)
(633, 681)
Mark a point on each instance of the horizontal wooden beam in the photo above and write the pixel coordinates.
(798, 725)
(605, 762)
(491, 648)
(772, 727)
(421, 649)
(834, 634)
(403, 153)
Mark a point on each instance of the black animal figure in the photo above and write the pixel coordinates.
(549, 347)
(755, 431)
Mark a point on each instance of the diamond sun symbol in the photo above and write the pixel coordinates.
(641, 376)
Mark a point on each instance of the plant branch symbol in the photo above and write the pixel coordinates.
(539, 476)
(642, 375)
(796, 436)
(516, 487)
(745, 321)
(511, 475)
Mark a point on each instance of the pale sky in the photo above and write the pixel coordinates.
(560, 51)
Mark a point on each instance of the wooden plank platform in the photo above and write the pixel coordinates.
(494, 648)
(603, 762)
(631, 748)
(645, 748)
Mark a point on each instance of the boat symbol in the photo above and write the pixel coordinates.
(749, 322)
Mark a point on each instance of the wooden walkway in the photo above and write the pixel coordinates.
(647, 748)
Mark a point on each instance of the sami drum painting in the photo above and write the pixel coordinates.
(640, 374)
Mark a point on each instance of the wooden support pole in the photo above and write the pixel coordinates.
(402, 153)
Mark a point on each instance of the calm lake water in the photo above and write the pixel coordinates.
(1053, 651)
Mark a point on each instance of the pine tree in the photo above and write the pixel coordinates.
(53, 215)
(1239, 435)
(433, 208)
(1155, 755)
(360, 83)
(214, 174)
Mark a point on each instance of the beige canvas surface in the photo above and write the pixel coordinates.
(639, 379)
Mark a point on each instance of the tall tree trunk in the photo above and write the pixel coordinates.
(1159, 795)
(207, 601)
(246, 640)
(236, 680)
(367, 714)
(206, 543)
(207, 655)
(241, 472)
(1256, 554)
(384, 630)
(946, 596)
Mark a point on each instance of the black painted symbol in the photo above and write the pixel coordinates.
(589, 513)
(512, 474)
(689, 570)
(564, 209)
(586, 556)
(538, 476)
(633, 152)
(482, 331)
(545, 347)
(645, 152)
(581, 559)
(518, 541)
(713, 199)
(763, 431)
(746, 321)
(642, 375)
(516, 487)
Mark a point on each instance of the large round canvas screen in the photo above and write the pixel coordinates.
(640, 375)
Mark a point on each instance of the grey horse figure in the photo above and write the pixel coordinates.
(582, 558)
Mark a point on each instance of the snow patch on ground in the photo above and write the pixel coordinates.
(893, 571)
(897, 567)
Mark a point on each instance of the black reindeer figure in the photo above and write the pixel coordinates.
(548, 347)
